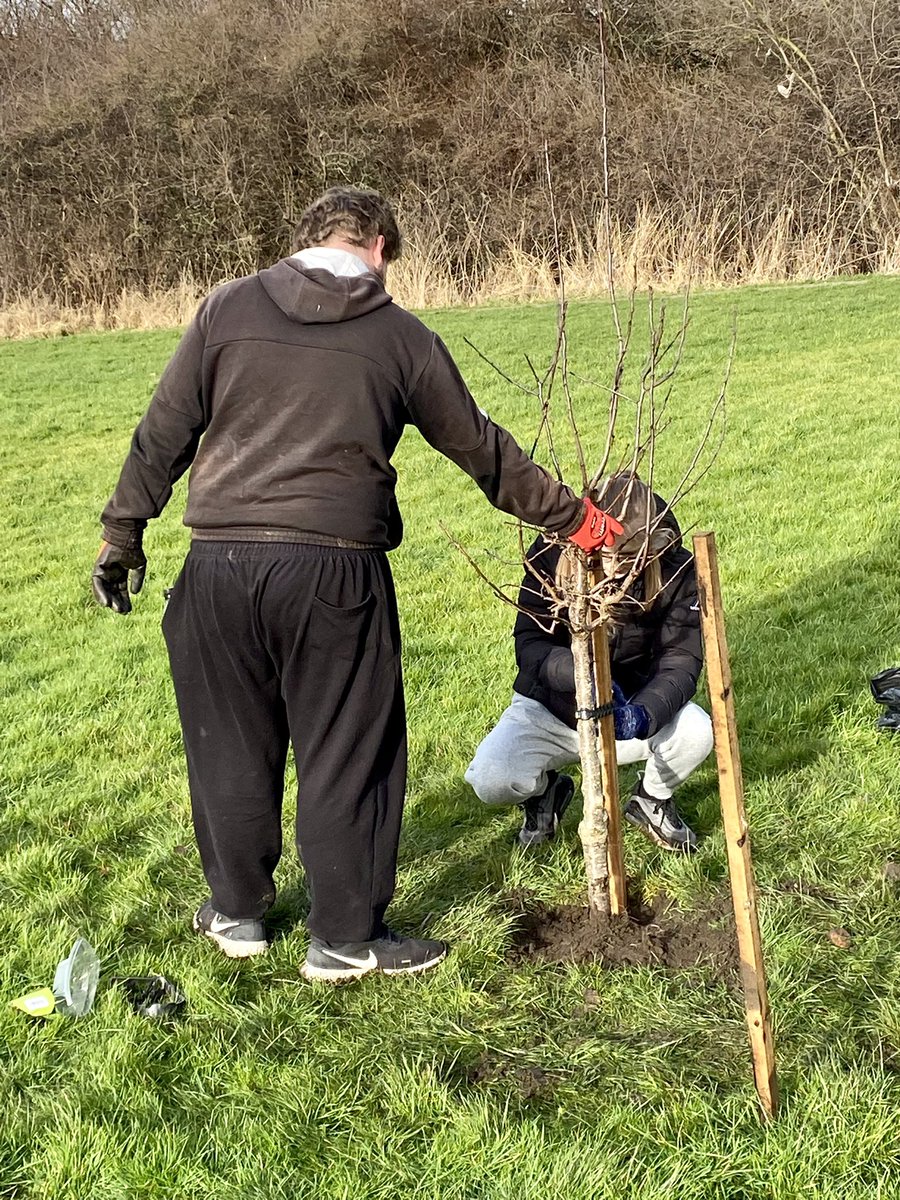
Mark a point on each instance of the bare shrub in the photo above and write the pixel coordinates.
(142, 139)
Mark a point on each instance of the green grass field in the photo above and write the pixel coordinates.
(272, 1089)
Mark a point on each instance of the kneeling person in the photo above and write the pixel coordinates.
(656, 655)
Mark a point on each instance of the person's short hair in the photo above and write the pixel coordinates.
(356, 215)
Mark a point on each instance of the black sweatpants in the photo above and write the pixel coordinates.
(278, 643)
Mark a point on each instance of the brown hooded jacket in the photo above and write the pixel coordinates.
(288, 393)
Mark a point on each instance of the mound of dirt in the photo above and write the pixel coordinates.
(654, 935)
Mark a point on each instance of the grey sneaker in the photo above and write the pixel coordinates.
(660, 821)
(543, 813)
(389, 954)
(237, 939)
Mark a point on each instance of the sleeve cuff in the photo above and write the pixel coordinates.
(125, 539)
(558, 670)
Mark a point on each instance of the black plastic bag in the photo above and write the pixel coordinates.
(152, 996)
(886, 690)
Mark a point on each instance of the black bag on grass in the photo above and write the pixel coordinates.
(886, 690)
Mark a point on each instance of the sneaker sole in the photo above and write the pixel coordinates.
(341, 974)
(649, 832)
(229, 946)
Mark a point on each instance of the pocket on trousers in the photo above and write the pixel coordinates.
(169, 595)
(343, 632)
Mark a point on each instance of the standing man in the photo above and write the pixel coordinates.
(288, 393)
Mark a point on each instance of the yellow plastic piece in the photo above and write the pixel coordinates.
(41, 1003)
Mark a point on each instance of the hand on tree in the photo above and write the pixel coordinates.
(596, 531)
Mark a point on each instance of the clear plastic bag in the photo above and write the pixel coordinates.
(75, 983)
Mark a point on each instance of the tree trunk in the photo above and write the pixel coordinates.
(593, 827)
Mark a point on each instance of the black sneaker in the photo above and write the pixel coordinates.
(237, 939)
(543, 813)
(389, 954)
(659, 820)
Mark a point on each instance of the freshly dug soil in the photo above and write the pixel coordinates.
(651, 935)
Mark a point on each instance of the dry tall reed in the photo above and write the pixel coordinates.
(713, 247)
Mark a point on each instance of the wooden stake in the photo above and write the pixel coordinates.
(609, 771)
(737, 839)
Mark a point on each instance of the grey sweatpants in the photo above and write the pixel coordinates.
(512, 762)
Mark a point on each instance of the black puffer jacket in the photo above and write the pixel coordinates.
(656, 656)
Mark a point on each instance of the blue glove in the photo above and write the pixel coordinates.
(630, 720)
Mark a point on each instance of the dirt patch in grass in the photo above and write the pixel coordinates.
(810, 891)
(655, 934)
(530, 1082)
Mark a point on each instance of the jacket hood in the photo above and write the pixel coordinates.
(316, 297)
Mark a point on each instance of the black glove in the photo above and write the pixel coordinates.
(115, 572)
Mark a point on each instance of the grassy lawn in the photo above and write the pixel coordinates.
(482, 1079)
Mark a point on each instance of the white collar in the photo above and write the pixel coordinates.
(329, 258)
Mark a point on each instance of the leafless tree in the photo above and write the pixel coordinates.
(591, 595)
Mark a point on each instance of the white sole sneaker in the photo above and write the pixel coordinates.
(348, 974)
(640, 822)
(234, 949)
(230, 947)
(325, 975)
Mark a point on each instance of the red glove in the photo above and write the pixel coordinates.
(597, 529)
